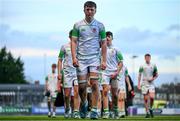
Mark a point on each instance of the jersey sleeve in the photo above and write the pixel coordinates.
(46, 78)
(119, 56)
(126, 72)
(75, 32)
(141, 69)
(62, 53)
(102, 32)
(155, 69)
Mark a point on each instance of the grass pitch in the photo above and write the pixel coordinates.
(61, 118)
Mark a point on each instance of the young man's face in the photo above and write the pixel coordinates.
(89, 12)
(147, 59)
(109, 40)
(53, 69)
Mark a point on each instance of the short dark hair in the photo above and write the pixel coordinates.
(53, 65)
(147, 54)
(109, 33)
(89, 4)
(70, 33)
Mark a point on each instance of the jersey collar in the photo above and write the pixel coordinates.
(89, 23)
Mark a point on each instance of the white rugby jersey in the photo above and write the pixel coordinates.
(66, 57)
(89, 36)
(52, 82)
(114, 56)
(147, 71)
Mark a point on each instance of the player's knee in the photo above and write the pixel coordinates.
(105, 93)
(121, 98)
(67, 95)
(94, 86)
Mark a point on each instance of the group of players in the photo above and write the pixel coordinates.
(91, 69)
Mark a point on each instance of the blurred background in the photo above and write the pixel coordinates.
(32, 32)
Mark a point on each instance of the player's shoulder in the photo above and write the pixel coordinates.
(79, 23)
(98, 23)
(153, 64)
(115, 48)
(66, 45)
(143, 65)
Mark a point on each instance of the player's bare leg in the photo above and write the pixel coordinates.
(54, 109)
(83, 95)
(67, 97)
(121, 104)
(114, 92)
(76, 102)
(146, 96)
(49, 106)
(151, 95)
(105, 101)
(94, 81)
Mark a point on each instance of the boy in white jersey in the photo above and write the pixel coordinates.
(69, 79)
(109, 76)
(148, 73)
(85, 48)
(52, 87)
(122, 80)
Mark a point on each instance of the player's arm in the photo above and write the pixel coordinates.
(60, 60)
(103, 47)
(104, 52)
(120, 64)
(139, 77)
(120, 61)
(59, 69)
(75, 35)
(46, 84)
(127, 80)
(155, 73)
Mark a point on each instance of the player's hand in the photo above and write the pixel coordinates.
(139, 87)
(103, 65)
(75, 62)
(59, 77)
(59, 86)
(129, 88)
(152, 79)
(114, 76)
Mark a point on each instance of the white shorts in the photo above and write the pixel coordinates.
(105, 79)
(88, 66)
(122, 86)
(114, 83)
(70, 79)
(53, 95)
(87, 70)
(147, 88)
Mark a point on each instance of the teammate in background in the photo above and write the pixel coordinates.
(85, 48)
(52, 87)
(129, 95)
(123, 79)
(109, 76)
(148, 73)
(68, 71)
